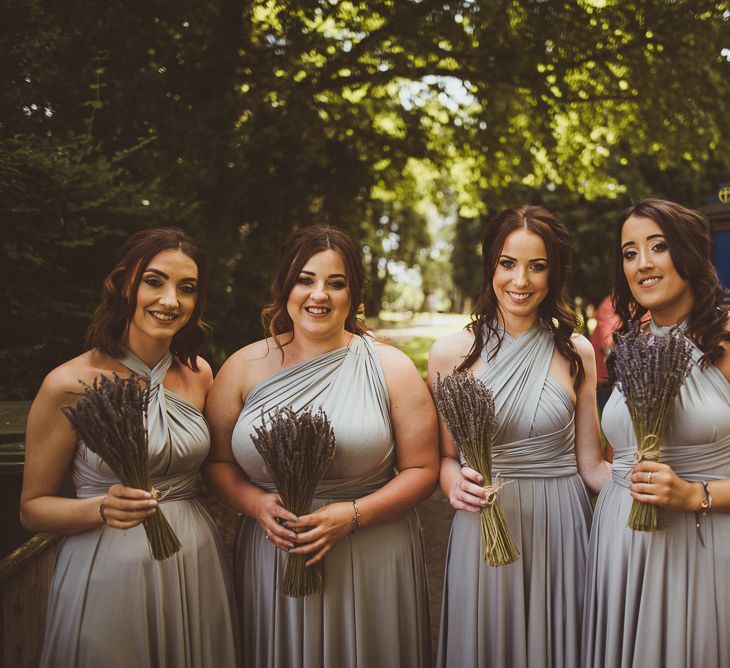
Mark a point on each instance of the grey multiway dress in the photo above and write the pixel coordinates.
(662, 599)
(528, 613)
(373, 610)
(110, 603)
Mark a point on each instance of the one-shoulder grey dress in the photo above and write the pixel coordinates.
(110, 603)
(528, 613)
(662, 599)
(373, 610)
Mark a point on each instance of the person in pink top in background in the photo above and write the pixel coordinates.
(606, 323)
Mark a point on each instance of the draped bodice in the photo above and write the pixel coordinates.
(348, 384)
(178, 435)
(535, 418)
(697, 441)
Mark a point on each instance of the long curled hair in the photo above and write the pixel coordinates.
(111, 319)
(301, 246)
(690, 246)
(553, 312)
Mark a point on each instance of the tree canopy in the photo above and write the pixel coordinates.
(405, 122)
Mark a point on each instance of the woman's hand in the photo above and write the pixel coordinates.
(126, 507)
(467, 492)
(320, 531)
(659, 485)
(276, 521)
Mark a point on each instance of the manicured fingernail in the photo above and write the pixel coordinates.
(483, 502)
(480, 478)
(293, 518)
(152, 504)
(290, 547)
(147, 495)
(152, 511)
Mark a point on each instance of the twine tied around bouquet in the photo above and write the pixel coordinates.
(159, 496)
(492, 490)
(648, 450)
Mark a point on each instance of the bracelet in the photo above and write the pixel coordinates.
(101, 509)
(355, 517)
(706, 503)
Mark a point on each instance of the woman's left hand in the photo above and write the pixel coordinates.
(658, 484)
(320, 531)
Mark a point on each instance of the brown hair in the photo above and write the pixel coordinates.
(553, 312)
(690, 245)
(298, 249)
(119, 295)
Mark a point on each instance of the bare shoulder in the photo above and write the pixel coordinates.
(394, 361)
(248, 366)
(452, 349)
(200, 379)
(584, 348)
(70, 376)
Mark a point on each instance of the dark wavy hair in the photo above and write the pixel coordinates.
(690, 245)
(301, 246)
(553, 312)
(119, 295)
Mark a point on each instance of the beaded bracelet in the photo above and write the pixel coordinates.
(101, 508)
(355, 517)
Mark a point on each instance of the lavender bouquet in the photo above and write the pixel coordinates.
(650, 371)
(467, 407)
(297, 449)
(110, 419)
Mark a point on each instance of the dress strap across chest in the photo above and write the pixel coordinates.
(157, 424)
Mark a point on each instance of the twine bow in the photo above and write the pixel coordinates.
(492, 490)
(159, 496)
(648, 450)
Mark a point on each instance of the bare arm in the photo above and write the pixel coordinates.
(592, 467)
(221, 471)
(413, 417)
(462, 485)
(49, 450)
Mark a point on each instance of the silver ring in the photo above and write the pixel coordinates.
(648, 480)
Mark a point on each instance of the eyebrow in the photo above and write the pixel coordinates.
(311, 273)
(534, 259)
(651, 236)
(162, 274)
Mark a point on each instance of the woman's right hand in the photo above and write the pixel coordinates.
(125, 507)
(467, 492)
(272, 518)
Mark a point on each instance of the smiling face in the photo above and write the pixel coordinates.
(319, 301)
(650, 272)
(165, 299)
(520, 279)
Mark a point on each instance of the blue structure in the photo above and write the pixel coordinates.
(718, 213)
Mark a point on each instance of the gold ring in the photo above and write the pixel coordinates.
(648, 480)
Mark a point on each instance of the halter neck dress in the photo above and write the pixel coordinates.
(528, 613)
(662, 599)
(110, 603)
(373, 608)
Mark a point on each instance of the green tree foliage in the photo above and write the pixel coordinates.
(243, 120)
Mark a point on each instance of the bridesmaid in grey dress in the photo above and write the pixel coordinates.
(521, 345)
(363, 531)
(110, 603)
(662, 599)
